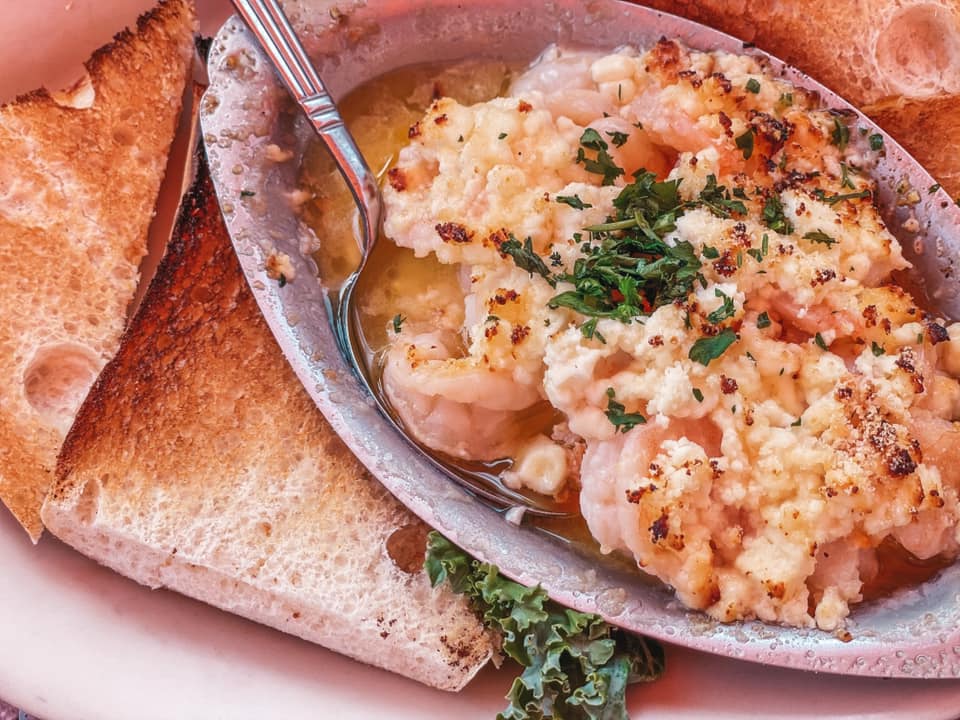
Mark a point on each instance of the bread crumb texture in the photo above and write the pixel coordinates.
(79, 176)
(199, 463)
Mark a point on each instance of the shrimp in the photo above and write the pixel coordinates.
(931, 530)
(561, 82)
(454, 405)
(631, 147)
(660, 513)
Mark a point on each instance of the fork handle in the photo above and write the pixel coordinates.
(276, 36)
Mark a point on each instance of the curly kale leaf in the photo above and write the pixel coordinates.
(576, 666)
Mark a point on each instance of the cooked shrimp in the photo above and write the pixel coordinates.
(454, 405)
(631, 147)
(660, 513)
(561, 82)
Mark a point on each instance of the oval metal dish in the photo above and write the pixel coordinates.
(914, 634)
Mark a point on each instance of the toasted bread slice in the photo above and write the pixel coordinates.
(199, 463)
(79, 176)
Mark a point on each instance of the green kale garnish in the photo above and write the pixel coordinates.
(576, 666)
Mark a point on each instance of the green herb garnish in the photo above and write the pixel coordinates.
(623, 421)
(877, 350)
(573, 201)
(717, 199)
(726, 309)
(589, 331)
(698, 395)
(818, 236)
(774, 217)
(753, 85)
(626, 269)
(707, 349)
(841, 134)
(763, 320)
(834, 199)
(821, 343)
(525, 258)
(876, 141)
(398, 322)
(603, 163)
(745, 143)
(618, 138)
(576, 666)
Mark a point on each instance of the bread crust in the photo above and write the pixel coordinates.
(199, 463)
(78, 187)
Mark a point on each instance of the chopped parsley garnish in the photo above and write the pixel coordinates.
(627, 270)
(618, 138)
(763, 320)
(753, 85)
(589, 331)
(933, 188)
(575, 666)
(525, 258)
(573, 201)
(845, 180)
(398, 322)
(282, 280)
(834, 199)
(501, 136)
(876, 349)
(797, 422)
(745, 143)
(247, 193)
(623, 421)
(603, 164)
(841, 134)
(786, 100)
(726, 309)
(707, 349)
(761, 253)
(774, 217)
(710, 252)
(876, 141)
(698, 395)
(717, 199)
(818, 236)
(555, 259)
(821, 343)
